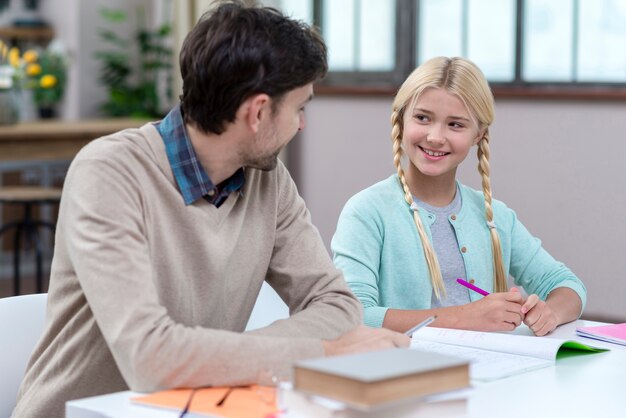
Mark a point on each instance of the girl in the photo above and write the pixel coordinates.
(403, 242)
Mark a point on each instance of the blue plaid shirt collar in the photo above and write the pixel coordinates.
(193, 181)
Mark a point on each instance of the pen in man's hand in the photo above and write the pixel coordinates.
(422, 324)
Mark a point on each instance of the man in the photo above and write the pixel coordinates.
(167, 232)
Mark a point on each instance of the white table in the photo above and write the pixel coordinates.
(588, 385)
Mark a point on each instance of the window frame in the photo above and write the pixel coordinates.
(387, 82)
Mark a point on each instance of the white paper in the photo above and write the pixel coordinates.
(544, 348)
(486, 365)
(491, 355)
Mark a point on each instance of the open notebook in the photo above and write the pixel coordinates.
(493, 355)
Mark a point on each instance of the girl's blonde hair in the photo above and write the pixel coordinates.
(462, 78)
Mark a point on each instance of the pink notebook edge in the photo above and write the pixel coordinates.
(613, 330)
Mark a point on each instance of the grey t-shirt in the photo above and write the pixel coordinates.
(448, 254)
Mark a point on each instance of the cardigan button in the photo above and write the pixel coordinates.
(472, 281)
(453, 217)
(463, 249)
(211, 193)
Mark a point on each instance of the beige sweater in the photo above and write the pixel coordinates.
(147, 293)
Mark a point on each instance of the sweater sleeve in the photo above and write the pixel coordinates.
(535, 269)
(102, 222)
(357, 246)
(302, 273)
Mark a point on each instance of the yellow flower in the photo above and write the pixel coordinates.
(14, 57)
(4, 50)
(33, 69)
(30, 56)
(47, 81)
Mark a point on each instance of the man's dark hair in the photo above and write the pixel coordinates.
(236, 51)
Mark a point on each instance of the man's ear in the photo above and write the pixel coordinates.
(254, 109)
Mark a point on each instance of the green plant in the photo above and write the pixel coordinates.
(49, 83)
(133, 84)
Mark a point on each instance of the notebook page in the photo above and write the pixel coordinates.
(543, 348)
(485, 365)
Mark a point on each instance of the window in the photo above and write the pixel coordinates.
(355, 46)
(548, 44)
(519, 44)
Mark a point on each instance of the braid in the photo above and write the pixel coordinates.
(483, 169)
(429, 253)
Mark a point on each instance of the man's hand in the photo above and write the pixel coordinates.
(365, 339)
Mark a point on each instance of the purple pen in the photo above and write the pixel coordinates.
(472, 287)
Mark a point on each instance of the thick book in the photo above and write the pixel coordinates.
(374, 378)
(497, 355)
(614, 333)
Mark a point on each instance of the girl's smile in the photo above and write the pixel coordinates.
(433, 155)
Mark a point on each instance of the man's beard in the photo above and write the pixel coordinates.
(267, 163)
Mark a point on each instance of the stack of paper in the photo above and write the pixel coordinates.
(452, 404)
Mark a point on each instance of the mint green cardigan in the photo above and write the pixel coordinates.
(377, 247)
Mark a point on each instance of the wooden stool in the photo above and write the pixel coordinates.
(28, 196)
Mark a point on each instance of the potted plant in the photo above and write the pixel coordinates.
(14, 70)
(48, 82)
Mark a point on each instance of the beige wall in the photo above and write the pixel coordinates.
(558, 164)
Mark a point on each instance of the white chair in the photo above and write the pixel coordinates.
(21, 322)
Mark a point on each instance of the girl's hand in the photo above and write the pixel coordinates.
(495, 312)
(538, 315)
